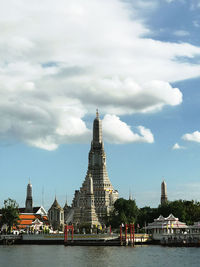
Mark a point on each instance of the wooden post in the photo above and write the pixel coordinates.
(126, 233)
(120, 234)
(66, 229)
(72, 227)
(133, 234)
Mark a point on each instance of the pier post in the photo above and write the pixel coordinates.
(66, 229)
(131, 241)
(72, 232)
(121, 235)
(126, 234)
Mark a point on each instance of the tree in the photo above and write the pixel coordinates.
(125, 211)
(186, 211)
(10, 214)
(147, 215)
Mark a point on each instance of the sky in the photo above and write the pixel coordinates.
(137, 61)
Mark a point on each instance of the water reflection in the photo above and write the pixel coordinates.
(60, 256)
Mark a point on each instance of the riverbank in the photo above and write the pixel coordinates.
(76, 240)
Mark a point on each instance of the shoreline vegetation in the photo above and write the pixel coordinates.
(125, 212)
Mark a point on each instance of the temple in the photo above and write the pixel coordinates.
(163, 199)
(96, 197)
(29, 199)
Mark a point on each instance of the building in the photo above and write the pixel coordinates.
(32, 218)
(33, 222)
(163, 199)
(67, 209)
(96, 196)
(29, 199)
(56, 216)
(165, 226)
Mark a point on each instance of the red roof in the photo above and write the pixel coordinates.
(27, 217)
(26, 222)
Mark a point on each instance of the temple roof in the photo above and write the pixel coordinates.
(56, 205)
(23, 210)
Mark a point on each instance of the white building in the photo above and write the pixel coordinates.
(165, 226)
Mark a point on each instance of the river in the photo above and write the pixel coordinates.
(59, 256)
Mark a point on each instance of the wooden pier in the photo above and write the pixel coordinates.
(10, 239)
(124, 238)
(181, 240)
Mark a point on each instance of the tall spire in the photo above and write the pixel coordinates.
(97, 194)
(66, 200)
(97, 130)
(97, 113)
(130, 195)
(29, 199)
(163, 193)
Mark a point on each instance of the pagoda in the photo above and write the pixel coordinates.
(96, 197)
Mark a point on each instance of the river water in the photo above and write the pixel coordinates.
(59, 256)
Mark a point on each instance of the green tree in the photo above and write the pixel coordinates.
(186, 211)
(125, 211)
(146, 215)
(10, 214)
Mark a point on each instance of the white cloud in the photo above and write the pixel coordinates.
(186, 191)
(196, 24)
(177, 146)
(143, 4)
(181, 1)
(181, 33)
(194, 137)
(61, 61)
(117, 131)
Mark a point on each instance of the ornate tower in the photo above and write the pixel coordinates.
(163, 193)
(90, 215)
(56, 216)
(103, 196)
(29, 199)
(66, 210)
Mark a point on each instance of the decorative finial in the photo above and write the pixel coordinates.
(97, 113)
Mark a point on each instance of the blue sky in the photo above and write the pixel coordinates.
(137, 61)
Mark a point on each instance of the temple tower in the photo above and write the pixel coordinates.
(103, 196)
(163, 193)
(90, 216)
(29, 199)
(56, 216)
(66, 210)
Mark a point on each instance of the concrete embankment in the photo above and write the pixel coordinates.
(78, 240)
